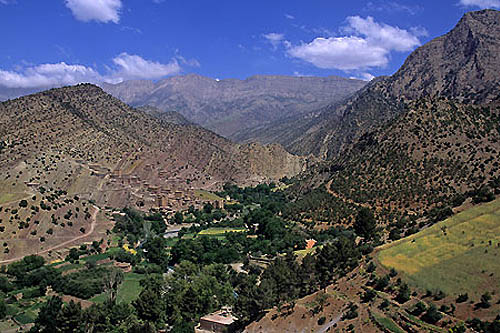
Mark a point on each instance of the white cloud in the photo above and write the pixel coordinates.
(7, 2)
(95, 10)
(363, 76)
(136, 67)
(481, 3)
(274, 38)
(345, 53)
(188, 62)
(290, 17)
(386, 36)
(368, 45)
(392, 7)
(48, 75)
(126, 67)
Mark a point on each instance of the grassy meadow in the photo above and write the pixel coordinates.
(458, 255)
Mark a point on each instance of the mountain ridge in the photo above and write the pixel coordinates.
(427, 73)
(230, 105)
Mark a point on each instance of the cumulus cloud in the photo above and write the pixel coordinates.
(95, 10)
(367, 45)
(481, 3)
(126, 67)
(48, 75)
(136, 67)
(274, 38)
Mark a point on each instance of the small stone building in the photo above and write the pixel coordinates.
(217, 322)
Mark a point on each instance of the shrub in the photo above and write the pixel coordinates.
(462, 298)
(432, 315)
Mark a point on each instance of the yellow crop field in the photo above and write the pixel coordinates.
(458, 255)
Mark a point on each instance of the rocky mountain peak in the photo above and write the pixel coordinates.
(463, 64)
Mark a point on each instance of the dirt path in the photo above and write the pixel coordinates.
(93, 217)
(336, 195)
(330, 324)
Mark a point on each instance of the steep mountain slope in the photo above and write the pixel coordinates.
(85, 123)
(428, 156)
(229, 106)
(460, 65)
(414, 157)
(169, 116)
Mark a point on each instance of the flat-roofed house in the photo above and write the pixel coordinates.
(217, 322)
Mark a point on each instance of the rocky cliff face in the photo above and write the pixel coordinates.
(463, 64)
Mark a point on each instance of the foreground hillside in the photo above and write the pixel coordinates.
(230, 106)
(80, 141)
(442, 279)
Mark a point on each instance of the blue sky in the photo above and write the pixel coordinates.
(60, 42)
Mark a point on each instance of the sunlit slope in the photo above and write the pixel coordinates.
(458, 255)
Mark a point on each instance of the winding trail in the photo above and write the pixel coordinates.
(336, 195)
(93, 217)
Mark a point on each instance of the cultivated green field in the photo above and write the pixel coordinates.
(220, 231)
(128, 292)
(205, 195)
(460, 254)
(388, 324)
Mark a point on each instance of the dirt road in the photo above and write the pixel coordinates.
(93, 223)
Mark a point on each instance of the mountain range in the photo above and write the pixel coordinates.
(230, 106)
(84, 123)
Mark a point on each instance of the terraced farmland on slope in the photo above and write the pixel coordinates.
(458, 255)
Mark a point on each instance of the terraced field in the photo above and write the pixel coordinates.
(458, 255)
(220, 231)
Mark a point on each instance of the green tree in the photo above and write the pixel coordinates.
(485, 300)
(156, 252)
(432, 315)
(73, 255)
(178, 218)
(150, 307)
(45, 322)
(365, 224)
(69, 318)
(3, 308)
(403, 295)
